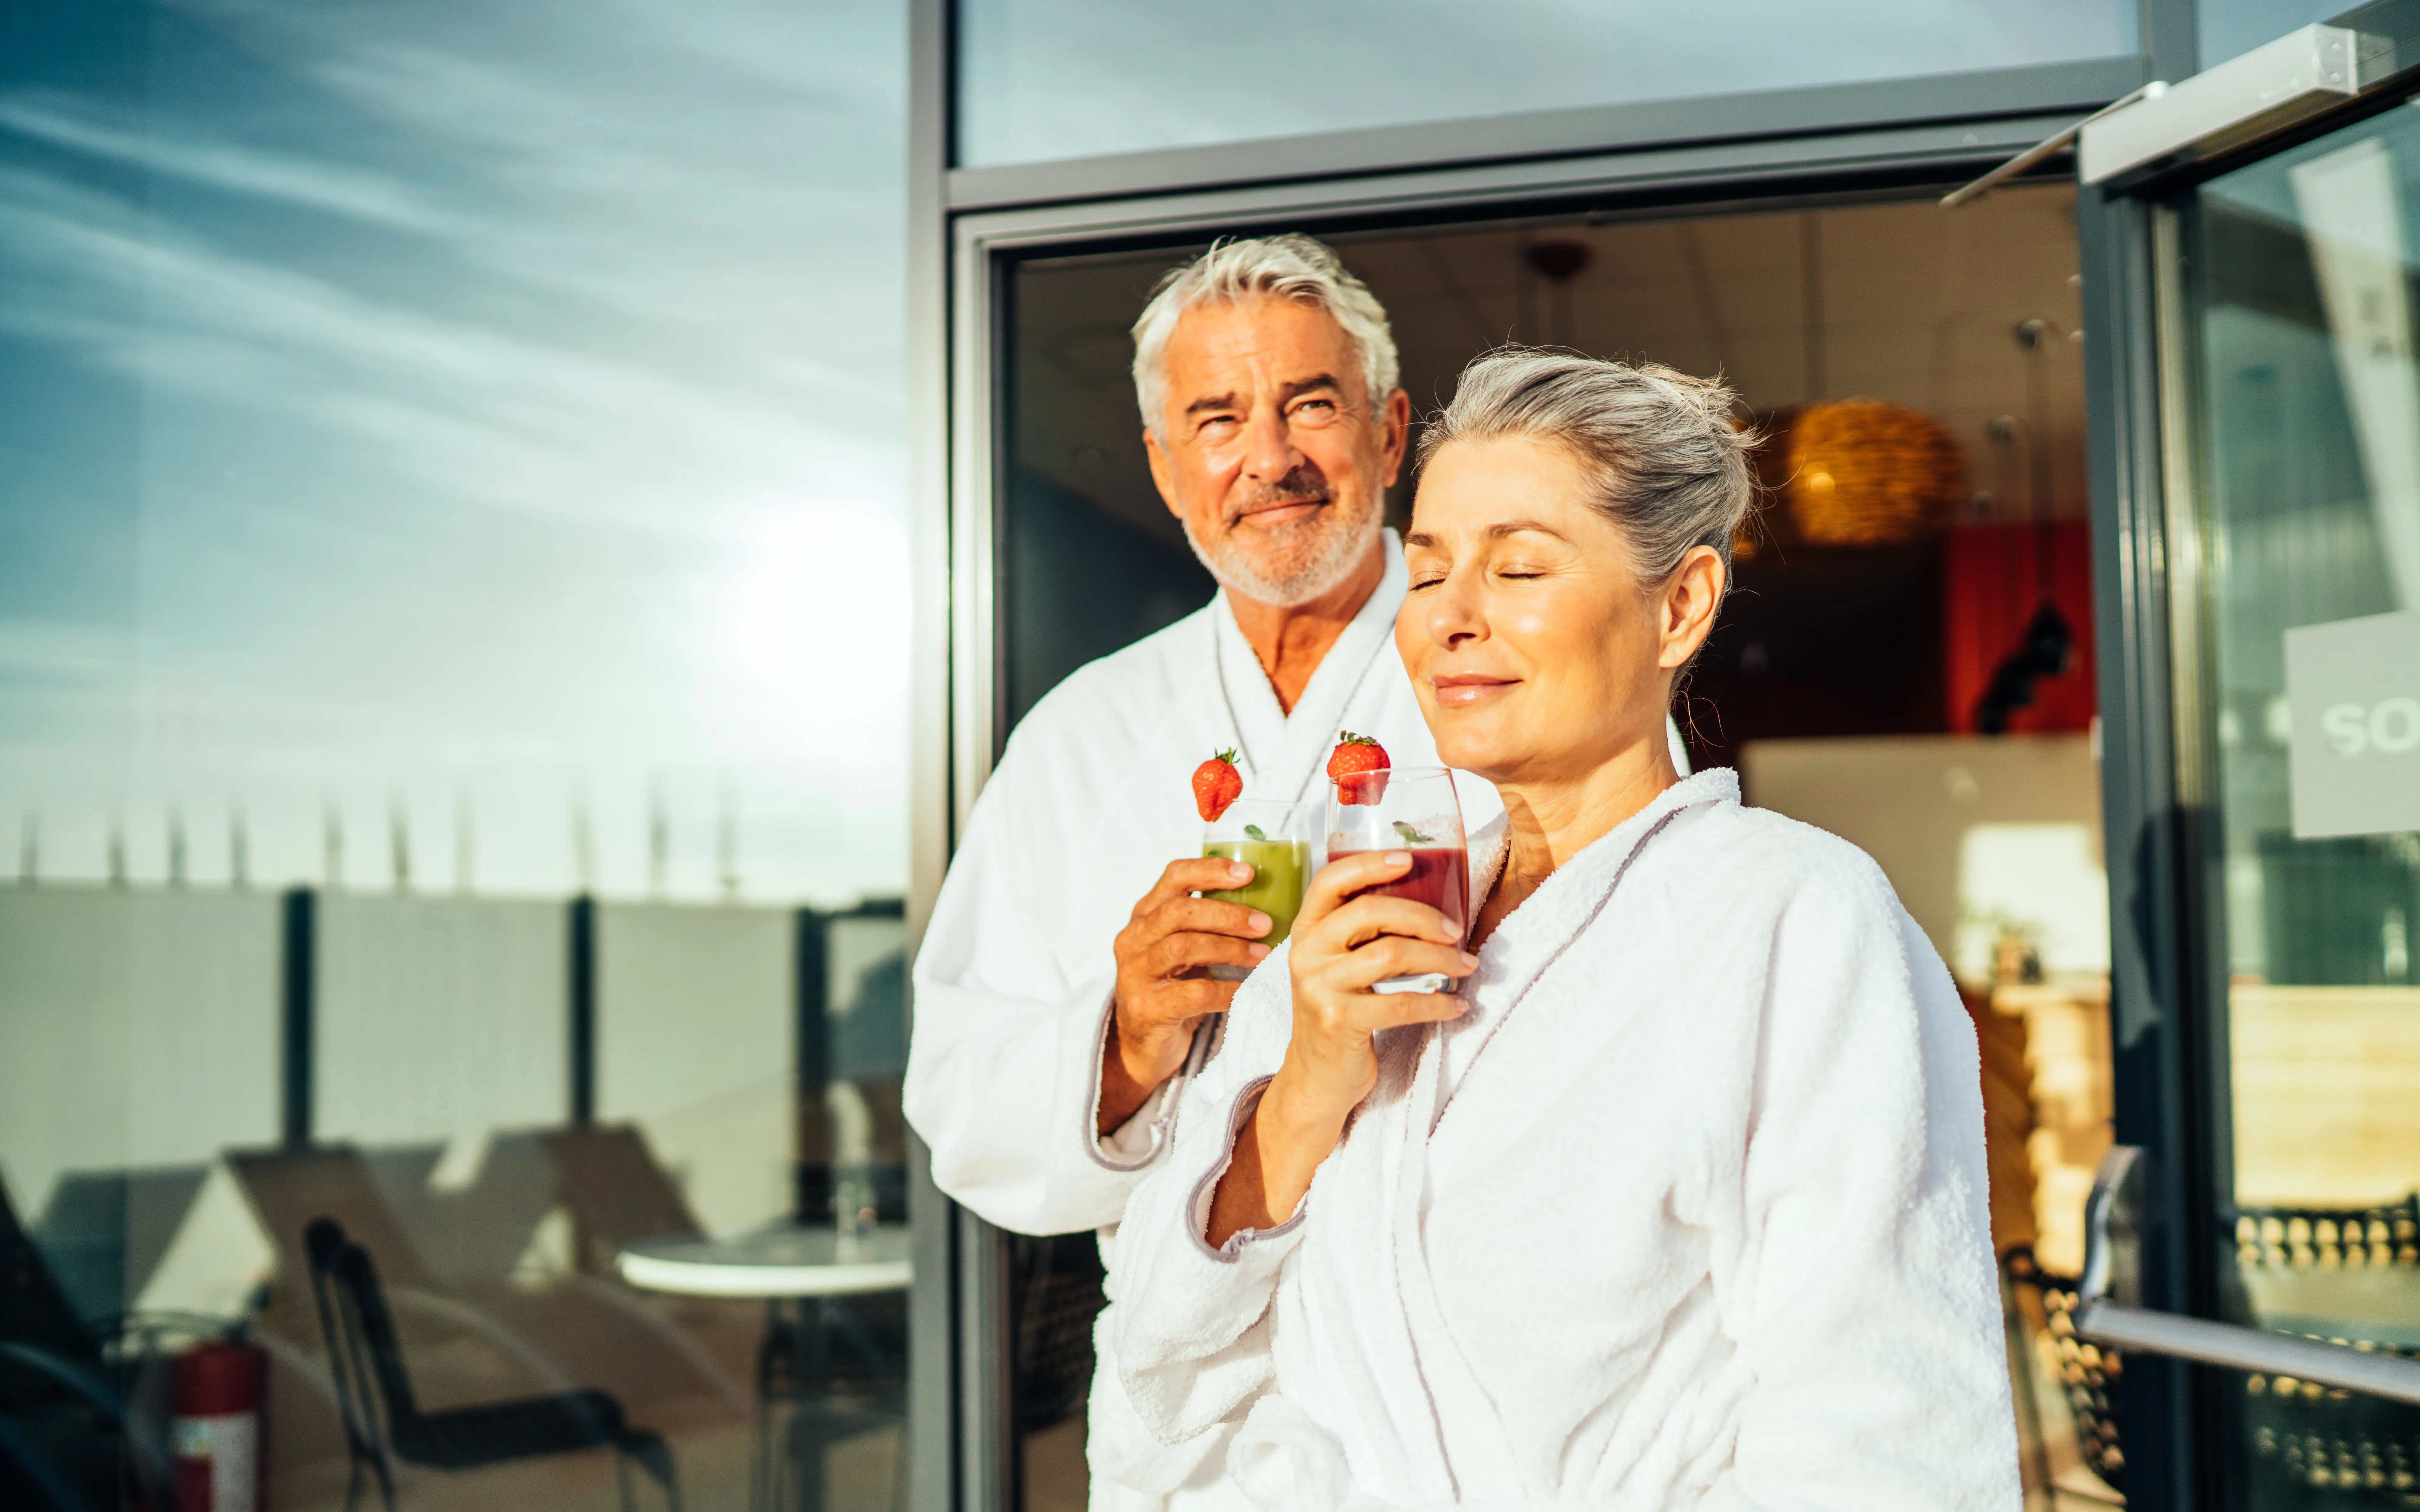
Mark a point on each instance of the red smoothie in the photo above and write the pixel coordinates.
(1439, 877)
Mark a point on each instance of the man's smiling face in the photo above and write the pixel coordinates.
(1269, 450)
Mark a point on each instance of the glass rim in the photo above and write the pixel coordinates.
(1393, 771)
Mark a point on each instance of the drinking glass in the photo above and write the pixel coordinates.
(1275, 840)
(1410, 808)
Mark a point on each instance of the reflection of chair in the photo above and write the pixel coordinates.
(2310, 1437)
(34, 1312)
(584, 1331)
(1057, 1282)
(64, 1427)
(616, 1193)
(2303, 1438)
(2087, 1374)
(477, 1233)
(868, 1047)
(368, 1361)
(106, 1232)
(289, 1187)
(2329, 1239)
(482, 1232)
(826, 1395)
(292, 1188)
(402, 1172)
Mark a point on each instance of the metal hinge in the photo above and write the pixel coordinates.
(2298, 74)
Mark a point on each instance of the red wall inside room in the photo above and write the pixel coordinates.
(1990, 589)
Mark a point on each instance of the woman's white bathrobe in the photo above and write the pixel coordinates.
(1688, 1211)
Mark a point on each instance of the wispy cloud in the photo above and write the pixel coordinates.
(1455, 59)
(478, 410)
(73, 125)
(506, 379)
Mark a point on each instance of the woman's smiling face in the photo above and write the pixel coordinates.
(1537, 652)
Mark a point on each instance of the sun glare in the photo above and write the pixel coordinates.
(817, 606)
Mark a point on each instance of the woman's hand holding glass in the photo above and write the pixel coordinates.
(1342, 945)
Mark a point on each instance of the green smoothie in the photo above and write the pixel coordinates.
(1279, 869)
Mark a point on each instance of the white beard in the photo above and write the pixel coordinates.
(1344, 543)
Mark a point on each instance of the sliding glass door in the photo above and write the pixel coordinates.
(2294, 438)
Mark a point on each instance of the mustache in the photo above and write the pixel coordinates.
(1304, 485)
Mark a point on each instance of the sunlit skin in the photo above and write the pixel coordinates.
(1256, 390)
(1545, 665)
(1267, 434)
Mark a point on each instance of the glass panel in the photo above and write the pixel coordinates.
(2229, 28)
(1044, 79)
(2301, 269)
(1927, 358)
(437, 444)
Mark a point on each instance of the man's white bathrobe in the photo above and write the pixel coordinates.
(1686, 1212)
(1090, 802)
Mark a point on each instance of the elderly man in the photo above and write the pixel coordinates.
(1063, 980)
(1064, 975)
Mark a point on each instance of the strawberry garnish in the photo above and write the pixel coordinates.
(1217, 784)
(1359, 767)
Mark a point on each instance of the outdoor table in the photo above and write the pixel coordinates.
(797, 1270)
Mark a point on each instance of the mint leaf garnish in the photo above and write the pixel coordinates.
(1254, 830)
(1411, 836)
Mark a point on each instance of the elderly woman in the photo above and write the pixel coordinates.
(1679, 1201)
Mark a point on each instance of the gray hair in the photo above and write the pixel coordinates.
(1664, 460)
(1288, 267)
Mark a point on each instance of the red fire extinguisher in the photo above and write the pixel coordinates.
(215, 1429)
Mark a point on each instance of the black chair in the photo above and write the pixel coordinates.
(2312, 1444)
(1057, 1285)
(69, 1437)
(366, 1357)
(2087, 1373)
(581, 1328)
(2303, 1438)
(830, 1370)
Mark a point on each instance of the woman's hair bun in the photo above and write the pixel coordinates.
(1667, 461)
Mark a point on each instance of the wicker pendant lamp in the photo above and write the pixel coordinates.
(1863, 473)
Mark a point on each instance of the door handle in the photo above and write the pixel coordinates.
(2110, 1263)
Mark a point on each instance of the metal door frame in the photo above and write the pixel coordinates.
(2168, 965)
(968, 225)
(2139, 471)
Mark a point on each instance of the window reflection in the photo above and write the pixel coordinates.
(1047, 79)
(440, 449)
(2310, 416)
(1883, 669)
(2229, 28)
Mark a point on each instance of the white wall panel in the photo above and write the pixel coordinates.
(696, 1043)
(440, 1018)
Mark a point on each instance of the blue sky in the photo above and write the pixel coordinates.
(459, 414)
(1066, 78)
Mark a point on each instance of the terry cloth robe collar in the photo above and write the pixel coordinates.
(1533, 936)
(1686, 1214)
(1526, 945)
(1283, 756)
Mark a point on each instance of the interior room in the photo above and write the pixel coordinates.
(1906, 659)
